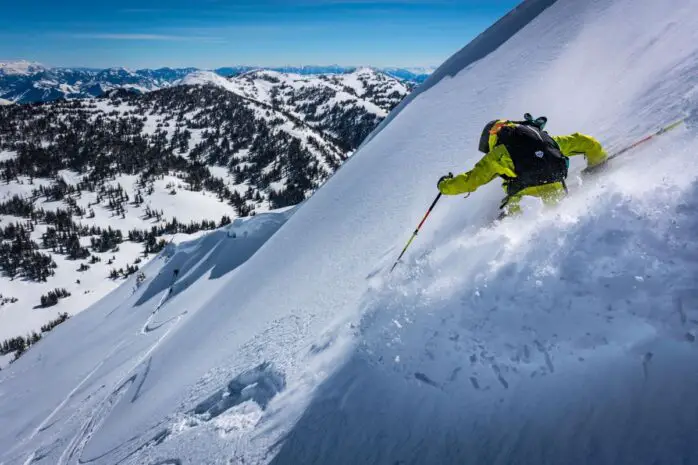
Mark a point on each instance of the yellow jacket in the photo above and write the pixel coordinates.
(498, 162)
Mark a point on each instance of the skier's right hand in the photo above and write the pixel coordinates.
(596, 169)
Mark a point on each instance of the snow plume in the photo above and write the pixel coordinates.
(566, 335)
(514, 333)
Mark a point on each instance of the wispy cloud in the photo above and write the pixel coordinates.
(141, 10)
(151, 37)
(378, 2)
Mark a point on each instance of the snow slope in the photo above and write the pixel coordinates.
(563, 336)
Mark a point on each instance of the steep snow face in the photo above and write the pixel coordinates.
(563, 336)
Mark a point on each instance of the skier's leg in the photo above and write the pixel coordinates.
(551, 197)
(512, 207)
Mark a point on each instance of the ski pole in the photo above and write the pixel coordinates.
(416, 231)
(648, 138)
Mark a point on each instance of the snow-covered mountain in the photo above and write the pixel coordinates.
(567, 335)
(336, 103)
(20, 68)
(84, 182)
(24, 82)
(27, 82)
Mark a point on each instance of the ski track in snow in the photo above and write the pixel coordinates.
(44, 424)
(101, 413)
(136, 376)
(92, 425)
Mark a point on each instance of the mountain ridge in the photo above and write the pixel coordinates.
(30, 82)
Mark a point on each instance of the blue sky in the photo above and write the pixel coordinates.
(213, 33)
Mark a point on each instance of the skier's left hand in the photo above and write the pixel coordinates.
(443, 178)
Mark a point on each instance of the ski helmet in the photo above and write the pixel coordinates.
(484, 146)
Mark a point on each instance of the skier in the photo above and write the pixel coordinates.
(527, 158)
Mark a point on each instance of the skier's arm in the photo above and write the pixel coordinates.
(497, 162)
(580, 144)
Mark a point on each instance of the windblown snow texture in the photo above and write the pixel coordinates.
(563, 336)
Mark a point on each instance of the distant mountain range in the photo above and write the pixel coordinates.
(28, 82)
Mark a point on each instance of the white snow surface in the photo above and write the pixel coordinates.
(566, 335)
(7, 155)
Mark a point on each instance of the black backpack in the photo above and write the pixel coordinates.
(537, 157)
